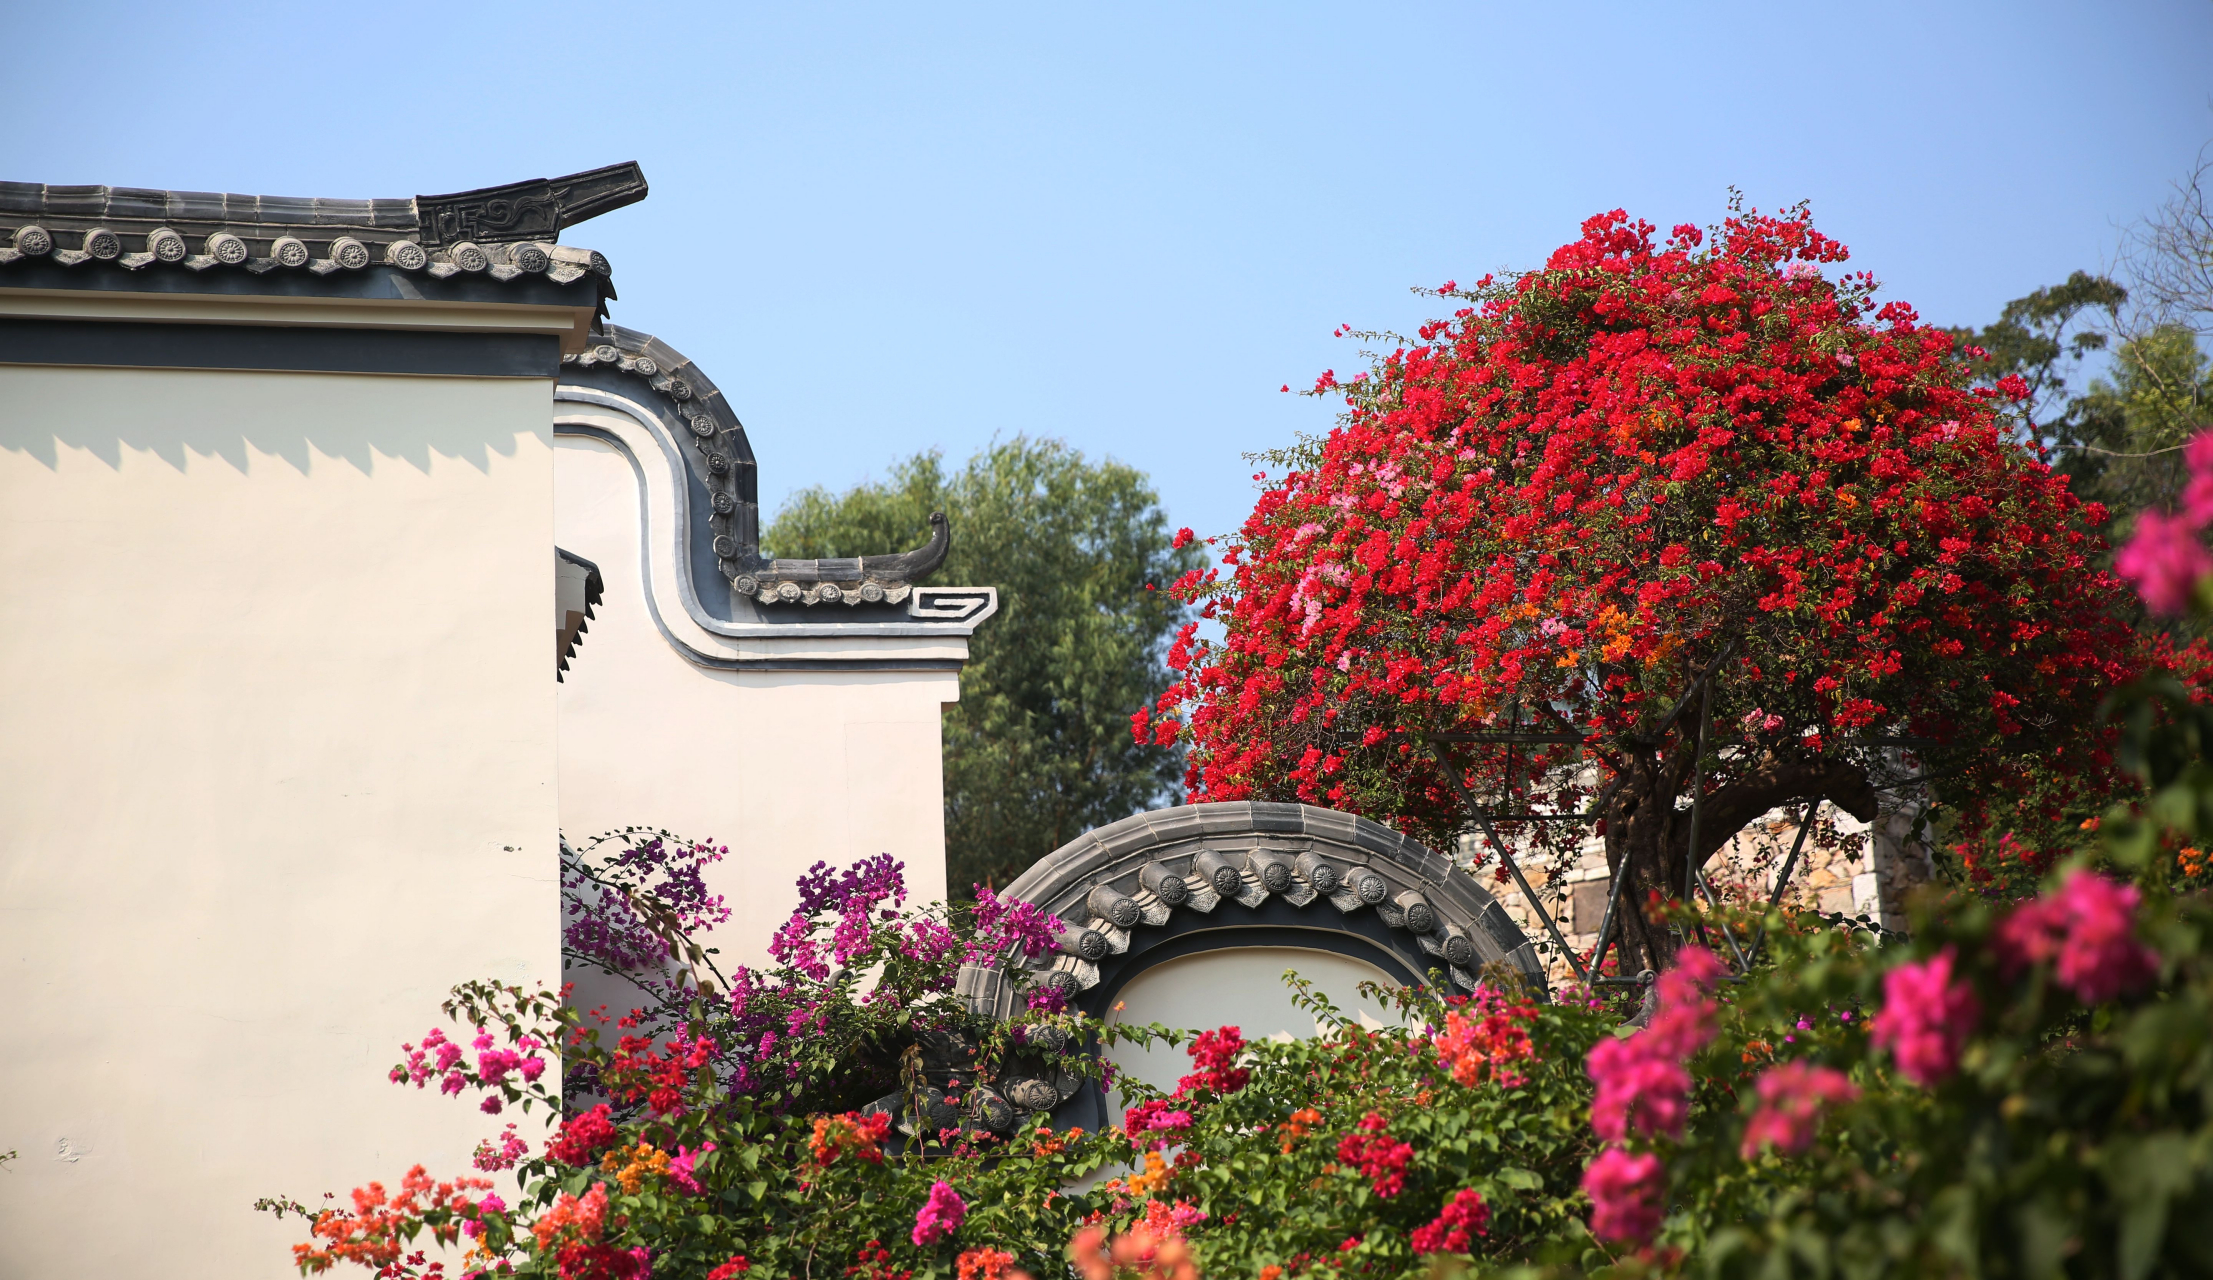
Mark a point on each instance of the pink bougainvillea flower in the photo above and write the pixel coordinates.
(2088, 925)
(684, 1169)
(940, 1217)
(2165, 561)
(1627, 1195)
(1643, 1085)
(1792, 1098)
(1926, 1018)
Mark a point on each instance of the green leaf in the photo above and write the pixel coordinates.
(2146, 1175)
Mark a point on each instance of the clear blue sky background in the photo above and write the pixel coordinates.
(889, 228)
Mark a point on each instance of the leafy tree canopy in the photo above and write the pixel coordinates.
(1037, 749)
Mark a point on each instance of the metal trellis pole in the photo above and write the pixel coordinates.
(1782, 878)
(1513, 868)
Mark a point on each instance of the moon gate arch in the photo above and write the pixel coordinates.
(1208, 878)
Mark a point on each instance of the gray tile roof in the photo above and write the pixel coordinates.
(500, 232)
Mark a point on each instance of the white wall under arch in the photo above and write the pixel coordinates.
(1241, 987)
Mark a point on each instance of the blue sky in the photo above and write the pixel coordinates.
(888, 228)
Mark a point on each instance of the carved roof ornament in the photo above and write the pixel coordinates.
(535, 210)
(504, 233)
(852, 580)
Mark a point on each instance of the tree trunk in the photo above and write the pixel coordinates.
(1648, 834)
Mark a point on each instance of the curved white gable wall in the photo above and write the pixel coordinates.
(786, 768)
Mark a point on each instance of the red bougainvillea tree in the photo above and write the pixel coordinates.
(1598, 480)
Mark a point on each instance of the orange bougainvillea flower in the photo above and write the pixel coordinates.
(375, 1233)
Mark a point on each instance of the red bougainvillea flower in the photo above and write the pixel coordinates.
(1464, 1216)
(1792, 1098)
(1215, 1054)
(1557, 506)
(1926, 1018)
(1380, 1157)
(583, 1137)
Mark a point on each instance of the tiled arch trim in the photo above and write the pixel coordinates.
(1115, 887)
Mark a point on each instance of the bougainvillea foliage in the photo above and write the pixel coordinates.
(1538, 526)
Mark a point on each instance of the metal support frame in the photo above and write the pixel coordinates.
(1695, 877)
(1782, 878)
(1528, 894)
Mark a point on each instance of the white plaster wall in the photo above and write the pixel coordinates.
(787, 769)
(1241, 987)
(277, 735)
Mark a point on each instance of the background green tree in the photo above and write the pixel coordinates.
(2116, 364)
(1038, 750)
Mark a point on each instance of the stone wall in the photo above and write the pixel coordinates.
(1847, 867)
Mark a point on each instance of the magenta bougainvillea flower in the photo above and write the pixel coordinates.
(1926, 1018)
(1793, 1096)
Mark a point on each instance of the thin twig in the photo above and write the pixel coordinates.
(2112, 453)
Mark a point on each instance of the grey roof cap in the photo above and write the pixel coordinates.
(501, 232)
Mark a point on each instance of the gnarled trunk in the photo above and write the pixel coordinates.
(1648, 828)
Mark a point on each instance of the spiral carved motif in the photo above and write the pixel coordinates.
(1032, 1094)
(990, 1110)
